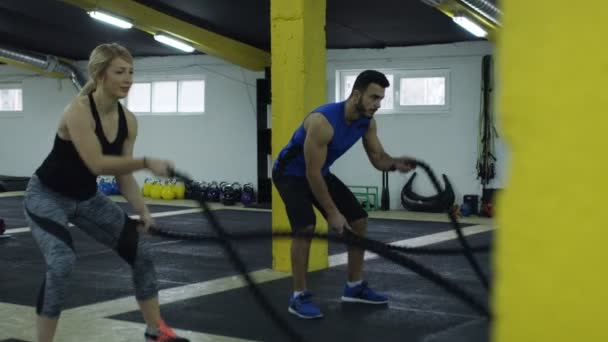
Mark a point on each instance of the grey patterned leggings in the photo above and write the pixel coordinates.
(48, 214)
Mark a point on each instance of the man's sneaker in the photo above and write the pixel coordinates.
(303, 307)
(166, 335)
(362, 294)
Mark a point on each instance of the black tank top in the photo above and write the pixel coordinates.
(66, 173)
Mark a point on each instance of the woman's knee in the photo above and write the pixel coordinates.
(61, 263)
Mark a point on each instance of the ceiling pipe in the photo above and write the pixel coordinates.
(485, 8)
(48, 63)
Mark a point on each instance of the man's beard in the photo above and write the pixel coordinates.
(360, 108)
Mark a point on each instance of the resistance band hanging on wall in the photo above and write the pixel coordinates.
(487, 131)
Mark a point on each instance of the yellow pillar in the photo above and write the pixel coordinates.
(552, 225)
(298, 86)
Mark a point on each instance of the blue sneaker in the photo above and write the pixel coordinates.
(303, 307)
(362, 294)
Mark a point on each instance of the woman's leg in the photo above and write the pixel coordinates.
(47, 216)
(107, 223)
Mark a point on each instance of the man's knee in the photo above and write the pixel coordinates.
(359, 226)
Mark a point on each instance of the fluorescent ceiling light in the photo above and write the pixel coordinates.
(470, 26)
(111, 19)
(163, 38)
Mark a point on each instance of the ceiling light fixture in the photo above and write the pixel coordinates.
(111, 19)
(173, 42)
(470, 26)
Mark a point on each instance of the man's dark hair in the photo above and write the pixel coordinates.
(367, 77)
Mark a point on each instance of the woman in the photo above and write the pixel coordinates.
(95, 137)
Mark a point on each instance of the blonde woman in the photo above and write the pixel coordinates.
(95, 136)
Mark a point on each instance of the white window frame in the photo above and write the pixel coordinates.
(173, 78)
(398, 74)
(13, 113)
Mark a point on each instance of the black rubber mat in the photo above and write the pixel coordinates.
(101, 275)
(11, 210)
(419, 311)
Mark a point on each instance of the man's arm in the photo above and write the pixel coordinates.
(318, 135)
(375, 152)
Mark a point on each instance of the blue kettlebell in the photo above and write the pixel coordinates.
(104, 186)
(248, 194)
(465, 209)
(115, 190)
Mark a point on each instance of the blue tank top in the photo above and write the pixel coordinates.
(290, 160)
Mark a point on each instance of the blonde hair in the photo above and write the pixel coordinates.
(99, 61)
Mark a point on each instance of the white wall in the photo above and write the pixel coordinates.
(221, 144)
(448, 141)
(26, 137)
(218, 145)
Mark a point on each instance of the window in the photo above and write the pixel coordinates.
(164, 97)
(410, 91)
(387, 102)
(11, 98)
(191, 97)
(167, 97)
(422, 91)
(139, 97)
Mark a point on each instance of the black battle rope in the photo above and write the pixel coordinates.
(350, 238)
(264, 235)
(241, 267)
(374, 246)
(463, 241)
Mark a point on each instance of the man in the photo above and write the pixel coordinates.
(302, 177)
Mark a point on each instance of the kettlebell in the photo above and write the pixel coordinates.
(107, 187)
(247, 195)
(114, 188)
(180, 190)
(147, 187)
(156, 190)
(167, 192)
(465, 209)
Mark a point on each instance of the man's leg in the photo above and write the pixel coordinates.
(296, 196)
(355, 254)
(356, 289)
(300, 249)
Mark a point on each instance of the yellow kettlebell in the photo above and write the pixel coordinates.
(167, 192)
(174, 186)
(156, 190)
(147, 187)
(180, 190)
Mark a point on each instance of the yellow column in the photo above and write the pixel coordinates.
(552, 226)
(298, 86)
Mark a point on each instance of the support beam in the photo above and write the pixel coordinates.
(551, 244)
(298, 86)
(455, 7)
(153, 21)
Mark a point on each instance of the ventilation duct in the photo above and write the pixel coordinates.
(45, 62)
(485, 8)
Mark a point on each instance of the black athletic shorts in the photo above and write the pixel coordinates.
(298, 199)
